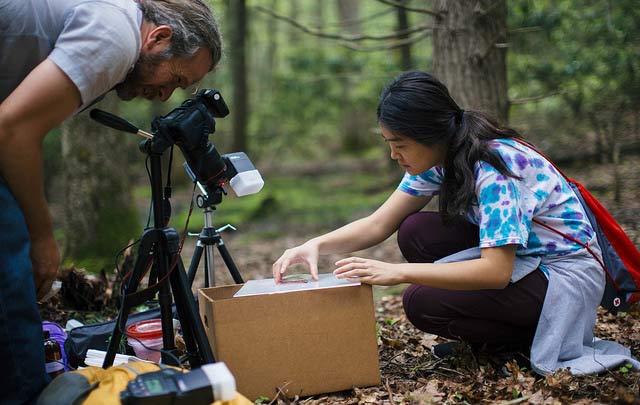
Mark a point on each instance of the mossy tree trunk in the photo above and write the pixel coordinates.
(99, 215)
(469, 53)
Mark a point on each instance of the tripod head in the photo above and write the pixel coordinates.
(188, 126)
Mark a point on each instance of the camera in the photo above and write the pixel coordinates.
(189, 126)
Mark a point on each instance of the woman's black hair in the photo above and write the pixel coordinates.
(418, 106)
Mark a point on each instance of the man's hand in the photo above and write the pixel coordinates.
(45, 258)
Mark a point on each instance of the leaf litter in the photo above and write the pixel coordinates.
(410, 373)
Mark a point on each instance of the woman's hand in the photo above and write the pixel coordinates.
(306, 253)
(368, 271)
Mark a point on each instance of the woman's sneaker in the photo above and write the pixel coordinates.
(447, 349)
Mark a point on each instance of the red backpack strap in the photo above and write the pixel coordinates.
(580, 187)
(533, 148)
(572, 239)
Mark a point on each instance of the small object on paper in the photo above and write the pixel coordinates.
(96, 358)
(295, 278)
(269, 286)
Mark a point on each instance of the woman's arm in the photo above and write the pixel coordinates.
(491, 271)
(373, 229)
(357, 235)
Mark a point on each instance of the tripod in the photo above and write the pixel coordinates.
(210, 237)
(159, 252)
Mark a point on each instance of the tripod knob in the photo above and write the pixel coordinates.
(225, 227)
(200, 201)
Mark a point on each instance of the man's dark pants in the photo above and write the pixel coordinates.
(22, 375)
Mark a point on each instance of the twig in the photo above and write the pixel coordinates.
(515, 401)
(453, 371)
(391, 359)
(429, 365)
(525, 100)
(350, 38)
(355, 21)
(386, 385)
(389, 45)
(397, 4)
(524, 30)
(280, 393)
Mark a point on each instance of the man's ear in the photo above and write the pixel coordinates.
(158, 39)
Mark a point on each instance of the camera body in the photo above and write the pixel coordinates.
(189, 126)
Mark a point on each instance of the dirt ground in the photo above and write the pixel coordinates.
(411, 374)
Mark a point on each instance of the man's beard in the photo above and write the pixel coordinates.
(144, 68)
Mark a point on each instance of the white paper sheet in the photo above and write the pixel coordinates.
(269, 286)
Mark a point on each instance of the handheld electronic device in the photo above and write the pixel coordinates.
(209, 383)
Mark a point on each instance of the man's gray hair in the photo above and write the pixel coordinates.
(192, 22)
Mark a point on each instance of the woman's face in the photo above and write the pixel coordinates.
(413, 157)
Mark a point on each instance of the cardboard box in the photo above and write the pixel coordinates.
(303, 342)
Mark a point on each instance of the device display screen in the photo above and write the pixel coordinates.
(154, 386)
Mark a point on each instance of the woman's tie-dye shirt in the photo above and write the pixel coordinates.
(505, 206)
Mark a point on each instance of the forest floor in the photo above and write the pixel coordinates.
(410, 373)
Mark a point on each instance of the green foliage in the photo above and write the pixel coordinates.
(586, 53)
(627, 367)
(312, 99)
(116, 227)
(299, 203)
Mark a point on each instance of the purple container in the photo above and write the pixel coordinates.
(59, 335)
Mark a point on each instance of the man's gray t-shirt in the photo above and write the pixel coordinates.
(95, 42)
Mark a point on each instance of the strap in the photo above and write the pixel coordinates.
(549, 227)
(571, 238)
(530, 146)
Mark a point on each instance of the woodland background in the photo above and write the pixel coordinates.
(302, 80)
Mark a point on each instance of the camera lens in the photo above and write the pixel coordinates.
(207, 164)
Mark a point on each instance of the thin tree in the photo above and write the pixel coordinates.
(238, 61)
(402, 25)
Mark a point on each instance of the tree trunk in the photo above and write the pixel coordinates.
(272, 51)
(293, 33)
(469, 53)
(402, 22)
(238, 62)
(349, 12)
(99, 214)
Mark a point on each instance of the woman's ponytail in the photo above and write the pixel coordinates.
(418, 106)
(468, 145)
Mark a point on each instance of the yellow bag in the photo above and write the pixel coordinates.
(95, 385)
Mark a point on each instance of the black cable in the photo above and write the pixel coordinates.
(146, 165)
(118, 272)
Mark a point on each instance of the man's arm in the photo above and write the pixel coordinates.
(44, 99)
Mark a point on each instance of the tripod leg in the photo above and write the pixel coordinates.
(169, 352)
(148, 240)
(228, 261)
(193, 331)
(195, 261)
(116, 337)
